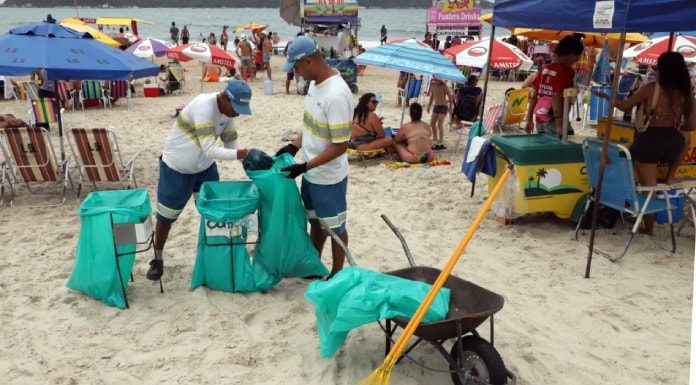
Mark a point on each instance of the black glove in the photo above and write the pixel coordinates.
(295, 170)
(289, 148)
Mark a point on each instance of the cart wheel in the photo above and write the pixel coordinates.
(353, 88)
(479, 359)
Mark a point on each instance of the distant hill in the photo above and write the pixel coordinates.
(204, 3)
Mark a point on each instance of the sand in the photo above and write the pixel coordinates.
(628, 324)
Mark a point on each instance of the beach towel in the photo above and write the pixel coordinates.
(480, 156)
(395, 164)
(356, 296)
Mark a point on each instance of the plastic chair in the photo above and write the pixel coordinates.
(619, 190)
(98, 158)
(29, 153)
(92, 90)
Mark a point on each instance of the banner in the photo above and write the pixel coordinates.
(331, 8)
(438, 17)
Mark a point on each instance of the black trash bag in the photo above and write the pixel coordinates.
(257, 160)
(606, 217)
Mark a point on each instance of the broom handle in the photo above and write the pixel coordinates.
(400, 344)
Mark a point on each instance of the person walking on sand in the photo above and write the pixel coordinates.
(189, 156)
(244, 51)
(266, 52)
(185, 35)
(328, 117)
(442, 96)
(174, 32)
(383, 35)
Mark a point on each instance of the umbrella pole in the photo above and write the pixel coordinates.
(202, 76)
(670, 45)
(605, 146)
(60, 123)
(487, 73)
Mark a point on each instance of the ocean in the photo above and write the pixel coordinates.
(401, 23)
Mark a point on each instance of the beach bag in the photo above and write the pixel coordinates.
(543, 109)
(643, 117)
(285, 249)
(466, 108)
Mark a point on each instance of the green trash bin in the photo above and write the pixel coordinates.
(227, 217)
(102, 267)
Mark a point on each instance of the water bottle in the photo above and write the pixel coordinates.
(268, 87)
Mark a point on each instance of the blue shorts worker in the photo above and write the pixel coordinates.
(174, 189)
(327, 202)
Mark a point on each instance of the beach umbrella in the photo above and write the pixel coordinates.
(256, 27)
(475, 54)
(78, 25)
(149, 47)
(647, 53)
(291, 12)
(202, 52)
(409, 40)
(592, 39)
(412, 58)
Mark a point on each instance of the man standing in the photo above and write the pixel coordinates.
(291, 74)
(174, 32)
(327, 120)
(442, 96)
(244, 52)
(189, 156)
(185, 35)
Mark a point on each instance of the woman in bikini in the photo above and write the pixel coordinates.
(666, 138)
(413, 143)
(367, 133)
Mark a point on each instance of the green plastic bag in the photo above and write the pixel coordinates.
(357, 296)
(222, 261)
(285, 249)
(94, 272)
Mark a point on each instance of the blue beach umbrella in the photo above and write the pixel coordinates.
(66, 55)
(411, 58)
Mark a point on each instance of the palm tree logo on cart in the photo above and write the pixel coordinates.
(547, 182)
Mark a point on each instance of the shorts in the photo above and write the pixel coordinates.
(184, 40)
(174, 189)
(266, 58)
(327, 202)
(246, 62)
(657, 144)
(291, 75)
(440, 109)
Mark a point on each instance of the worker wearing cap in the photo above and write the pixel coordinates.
(327, 121)
(190, 152)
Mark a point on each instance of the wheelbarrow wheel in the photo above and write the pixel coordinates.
(478, 359)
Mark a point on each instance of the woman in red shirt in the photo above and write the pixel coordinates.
(546, 102)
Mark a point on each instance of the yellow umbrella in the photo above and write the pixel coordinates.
(79, 26)
(251, 27)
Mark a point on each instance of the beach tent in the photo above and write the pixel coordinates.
(596, 16)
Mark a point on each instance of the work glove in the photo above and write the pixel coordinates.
(295, 170)
(289, 148)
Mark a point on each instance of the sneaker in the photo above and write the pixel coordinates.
(156, 270)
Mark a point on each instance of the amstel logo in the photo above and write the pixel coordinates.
(477, 51)
(687, 51)
(198, 48)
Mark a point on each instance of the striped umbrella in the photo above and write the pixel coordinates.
(148, 47)
(411, 58)
(203, 52)
(647, 53)
(474, 54)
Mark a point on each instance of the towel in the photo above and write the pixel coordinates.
(393, 164)
(480, 156)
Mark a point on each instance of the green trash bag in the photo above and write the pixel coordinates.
(285, 249)
(222, 261)
(356, 296)
(94, 272)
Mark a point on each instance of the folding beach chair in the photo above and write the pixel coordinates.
(175, 78)
(4, 175)
(490, 119)
(120, 89)
(98, 158)
(599, 107)
(44, 112)
(514, 108)
(92, 90)
(30, 156)
(65, 94)
(619, 190)
(28, 90)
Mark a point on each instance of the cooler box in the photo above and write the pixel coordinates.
(550, 175)
(623, 132)
(151, 92)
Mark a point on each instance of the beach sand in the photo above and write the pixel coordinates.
(628, 324)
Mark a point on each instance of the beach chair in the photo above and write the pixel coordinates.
(98, 158)
(490, 118)
(28, 90)
(619, 190)
(92, 90)
(4, 175)
(514, 108)
(65, 94)
(30, 156)
(175, 78)
(44, 112)
(120, 89)
(626, 84)
(599, 107)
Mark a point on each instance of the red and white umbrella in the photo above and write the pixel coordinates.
(203, 52)
(474, 54)
(409, 40)
(646, 53)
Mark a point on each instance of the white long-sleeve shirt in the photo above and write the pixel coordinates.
(191, 145)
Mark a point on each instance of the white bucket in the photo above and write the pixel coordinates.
(268, 87)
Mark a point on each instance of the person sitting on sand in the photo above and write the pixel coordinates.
(367, 133)
(212, 73)
(413, 143)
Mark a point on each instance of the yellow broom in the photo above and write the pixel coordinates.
(381, 375)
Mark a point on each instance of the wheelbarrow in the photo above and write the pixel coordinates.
(471, 359)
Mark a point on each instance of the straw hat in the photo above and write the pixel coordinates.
(243, 36)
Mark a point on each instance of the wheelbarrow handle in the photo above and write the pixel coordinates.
(396, 232)
(339, 241)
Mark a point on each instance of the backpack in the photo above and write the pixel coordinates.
(643, 117)
(466, 108)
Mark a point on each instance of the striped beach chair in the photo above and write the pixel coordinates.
(92, 90)
(120, 89)
(98, 158)
(65, 94)
(28, 90)
(599, 107)
(490, 119)
(44, 112)
(31, 158)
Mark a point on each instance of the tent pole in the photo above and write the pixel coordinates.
(605, 146)
(487, 73)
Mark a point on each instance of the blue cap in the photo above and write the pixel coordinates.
(239, 94)
(300, 48)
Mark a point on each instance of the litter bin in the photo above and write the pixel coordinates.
(228, 214)
(113, 224)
